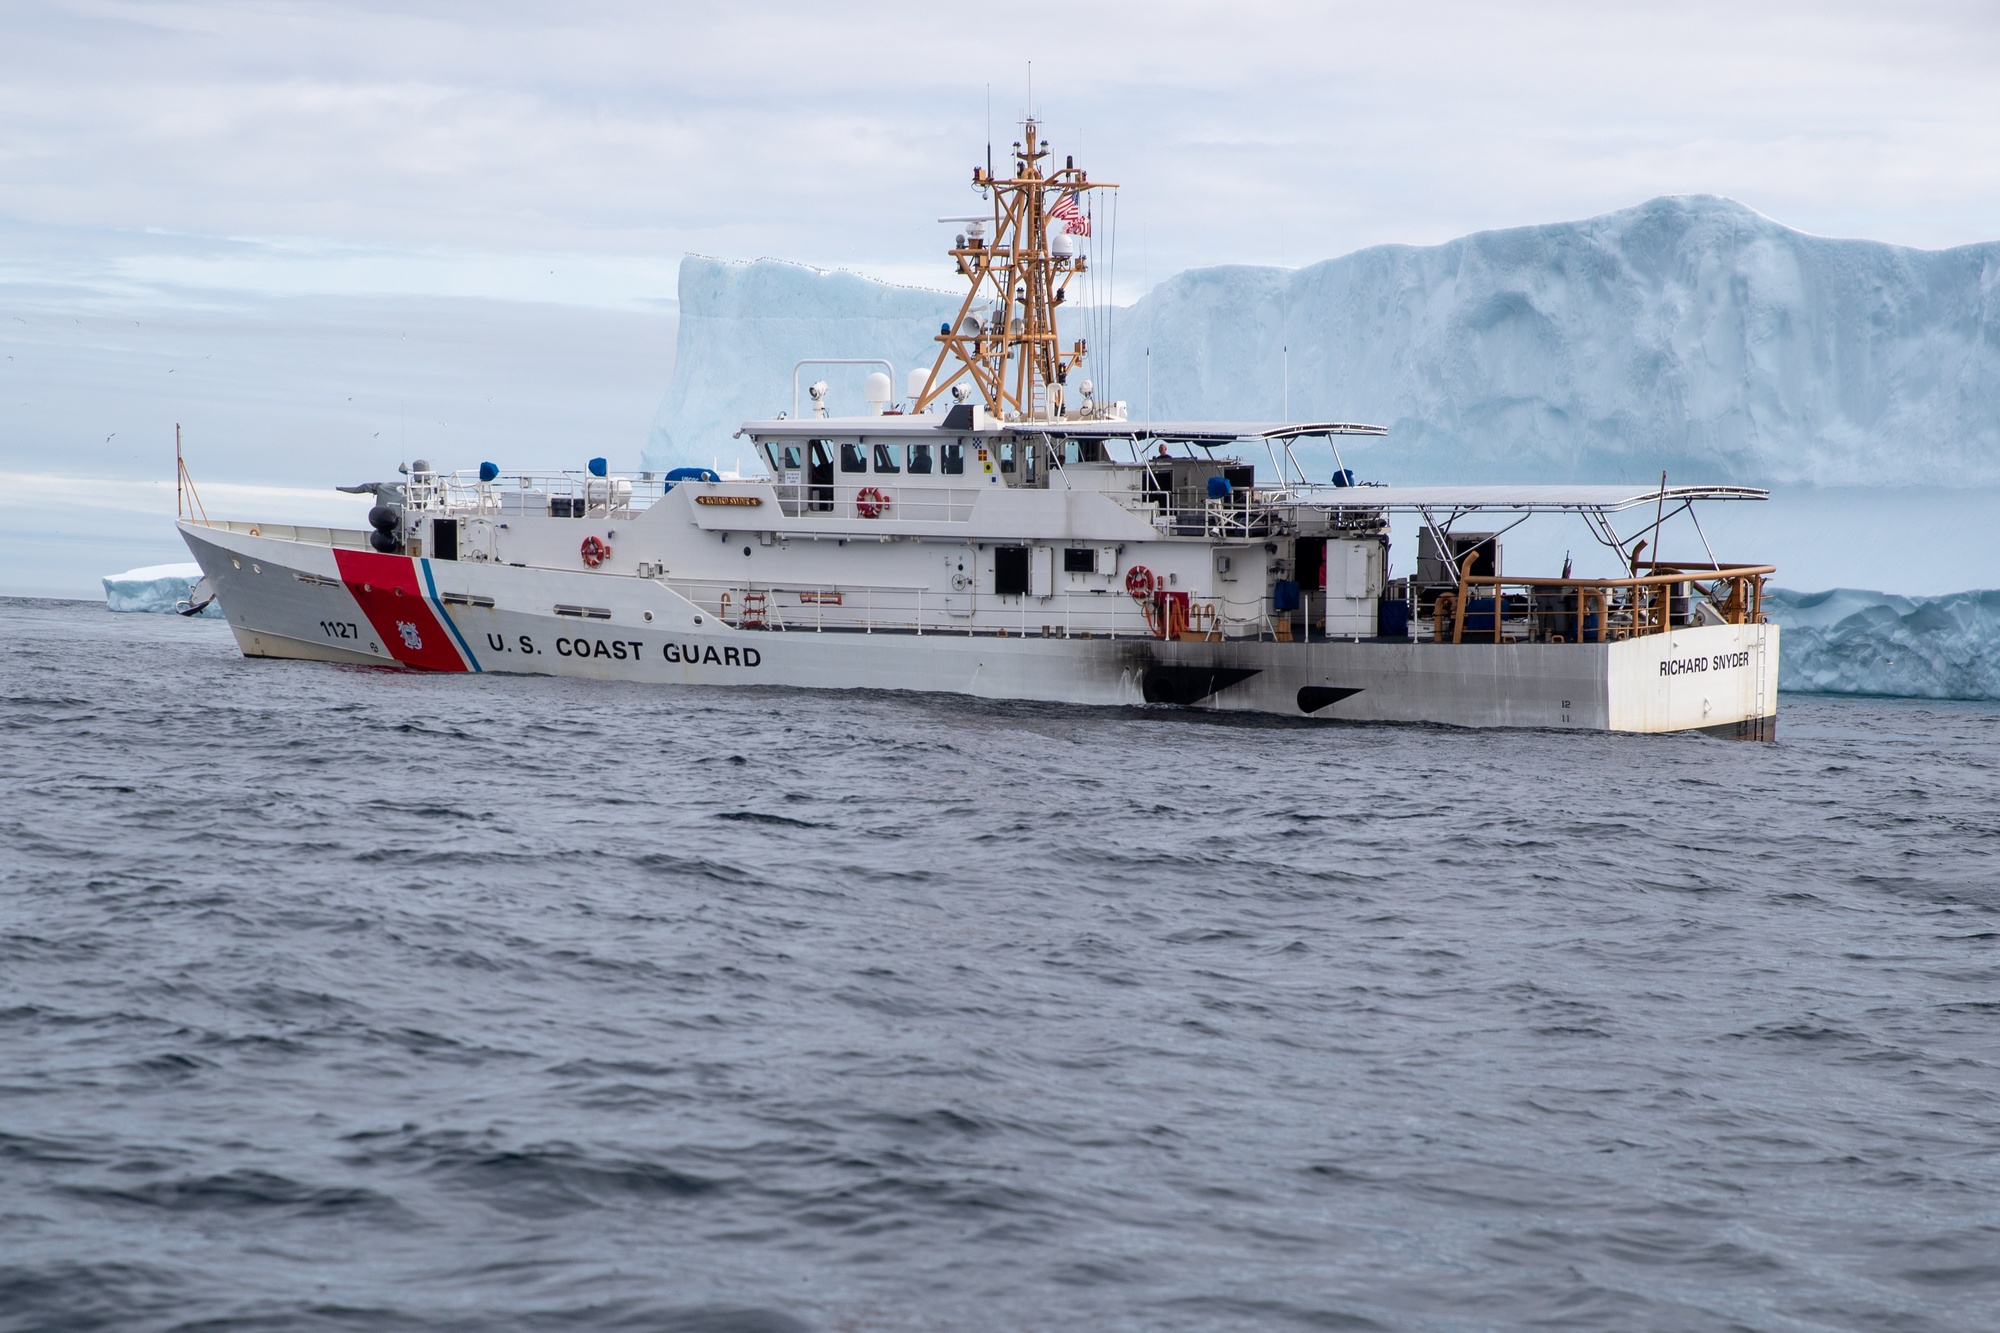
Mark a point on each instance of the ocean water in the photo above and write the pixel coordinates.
(344, 999)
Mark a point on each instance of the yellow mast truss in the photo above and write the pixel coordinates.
(1004, 337)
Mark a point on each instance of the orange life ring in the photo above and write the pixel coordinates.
(870, 502)
(1139, 581)
(595, 551)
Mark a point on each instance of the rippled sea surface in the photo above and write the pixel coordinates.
(338, 998)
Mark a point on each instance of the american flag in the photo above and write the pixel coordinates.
(1072, 218)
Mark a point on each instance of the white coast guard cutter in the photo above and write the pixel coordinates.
(996, 538)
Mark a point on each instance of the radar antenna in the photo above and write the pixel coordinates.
(1004, 336)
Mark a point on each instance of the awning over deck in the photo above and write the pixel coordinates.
(1524, 499)
(1205, 433)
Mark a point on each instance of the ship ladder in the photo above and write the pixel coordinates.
(1763, 679)
(753, 611)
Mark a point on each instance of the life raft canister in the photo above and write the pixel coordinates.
(870, 502)
(595, 551)
(1139, 581)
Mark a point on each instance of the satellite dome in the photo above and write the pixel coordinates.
(877, 390)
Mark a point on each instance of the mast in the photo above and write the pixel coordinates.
(1004, 337)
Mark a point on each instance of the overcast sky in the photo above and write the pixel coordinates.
(574, 152)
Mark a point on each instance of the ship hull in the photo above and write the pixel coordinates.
(319, 602)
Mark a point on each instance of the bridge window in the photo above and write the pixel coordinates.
(819, 477)
(885, 457)
(1079, 559)
(852, 457)
(920, 460)
(951, 459)
(793, 459)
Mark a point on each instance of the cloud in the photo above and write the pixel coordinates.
(460, 145)
(277, 504)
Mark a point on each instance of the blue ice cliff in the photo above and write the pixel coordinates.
(1850, 642)
(1691, 334)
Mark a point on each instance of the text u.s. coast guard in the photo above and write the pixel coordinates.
(629, 650)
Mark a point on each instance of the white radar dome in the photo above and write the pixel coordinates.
(1061, 246)
(876, 391)
(918, 379)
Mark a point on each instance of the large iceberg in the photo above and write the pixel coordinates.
(1690, 334)
(1852, 642)
(156, 588)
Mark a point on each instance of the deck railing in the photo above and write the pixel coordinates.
(462, 493)
(1572, 610)
(791, 606)
(912, 501)
(309, 534)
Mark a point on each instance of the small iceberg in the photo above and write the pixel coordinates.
(161, 589)
(1847, 641)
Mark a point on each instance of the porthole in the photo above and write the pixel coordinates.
(649, 615)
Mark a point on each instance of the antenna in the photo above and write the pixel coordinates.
(184, 484)
(1005, 336)
(1031, 90)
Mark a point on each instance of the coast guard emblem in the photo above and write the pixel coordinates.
(411, 639)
